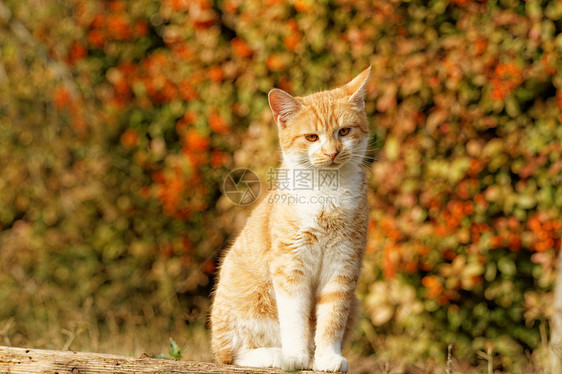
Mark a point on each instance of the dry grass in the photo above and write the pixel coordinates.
(135, 338)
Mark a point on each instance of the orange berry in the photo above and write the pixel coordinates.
(217, 124)
(195, 142)
(240, 48)
(275, 63)
(130, 138)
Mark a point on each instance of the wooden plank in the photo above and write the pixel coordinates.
(31, 361)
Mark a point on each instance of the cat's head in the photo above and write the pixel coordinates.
(326, 129)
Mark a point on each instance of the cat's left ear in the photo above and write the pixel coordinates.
(357, 88)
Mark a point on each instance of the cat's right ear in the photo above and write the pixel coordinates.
(283, 106)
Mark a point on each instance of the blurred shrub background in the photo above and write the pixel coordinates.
(120, 119)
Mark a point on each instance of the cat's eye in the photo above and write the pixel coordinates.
(311, 137)
(344, 131)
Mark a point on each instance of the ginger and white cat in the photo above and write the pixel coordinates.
(286, 288)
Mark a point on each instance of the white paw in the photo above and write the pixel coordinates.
(295, 361)
(330, 362)
(268, 357)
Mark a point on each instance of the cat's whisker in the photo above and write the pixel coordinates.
(375, 141)
(362, 162)
(369, 147)
(362, 155)
(359, 163)
(375, 158)
(367, 150)
(367, 153)
(305, 164)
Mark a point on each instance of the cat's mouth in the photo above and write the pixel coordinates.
(335, 163)
(331, 164)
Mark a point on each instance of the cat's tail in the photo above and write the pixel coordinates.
(222, 336)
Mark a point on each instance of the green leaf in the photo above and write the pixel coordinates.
(175, 350)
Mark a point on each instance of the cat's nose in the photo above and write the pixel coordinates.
(332, 155)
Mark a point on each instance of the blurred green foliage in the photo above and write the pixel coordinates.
(120, 119)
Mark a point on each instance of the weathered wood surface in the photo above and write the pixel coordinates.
(31, 361)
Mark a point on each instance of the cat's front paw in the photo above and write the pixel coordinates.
(330, 362)
(295, 361)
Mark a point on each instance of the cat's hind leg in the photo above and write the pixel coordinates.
(260, 343)
(223, 333)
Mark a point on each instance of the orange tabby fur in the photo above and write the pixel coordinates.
(286, 289)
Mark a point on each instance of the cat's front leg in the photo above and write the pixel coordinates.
(333, 304)
(293, 296)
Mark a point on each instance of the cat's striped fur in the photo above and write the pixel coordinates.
(286, 288)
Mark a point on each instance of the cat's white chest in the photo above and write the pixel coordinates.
(341, 197)
(326, 214)
(322, 204)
